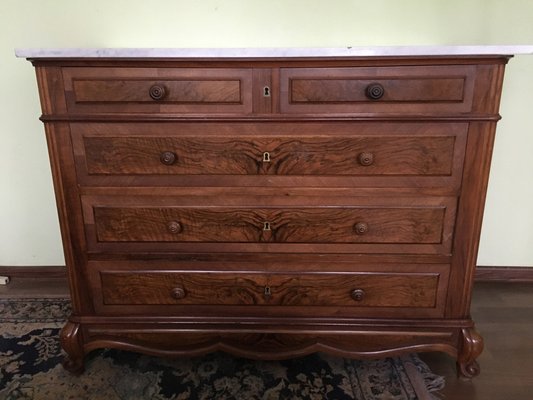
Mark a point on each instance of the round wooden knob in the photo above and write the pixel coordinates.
(157, 92)
(174, 227)
(374, 91)
(361, 228)
(358, 294)
(365, 159)
(168, 157)
(178, 293)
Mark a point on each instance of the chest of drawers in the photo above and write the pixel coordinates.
(271, 207)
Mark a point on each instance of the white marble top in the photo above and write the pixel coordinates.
(358, 51)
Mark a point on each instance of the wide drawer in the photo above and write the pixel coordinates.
(398, 154)
(240, 224)
(405, 89)
(141, 286)
(159, 90)
(305, 155)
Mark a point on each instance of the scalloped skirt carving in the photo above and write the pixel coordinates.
(261, 342)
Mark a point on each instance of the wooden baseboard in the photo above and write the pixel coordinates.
(34, 282)
(504, 274)
(483, 273)
(56, 271)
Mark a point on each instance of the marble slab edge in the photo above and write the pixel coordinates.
(356, 51)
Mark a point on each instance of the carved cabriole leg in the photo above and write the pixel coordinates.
(471, 348)
(71, 342)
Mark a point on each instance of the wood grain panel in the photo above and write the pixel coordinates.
(311, 290)
(230, 154)
(115, 90)
(334, 90)
(431, 155)
(137, 91)
(270, 225)
(434, 89)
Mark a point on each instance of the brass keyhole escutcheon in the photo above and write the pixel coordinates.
(267, 293)
(266, 91)
(266, 156)
(266, 226)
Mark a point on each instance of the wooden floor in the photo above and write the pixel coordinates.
(504, 316)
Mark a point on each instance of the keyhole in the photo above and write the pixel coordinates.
(268, 292)
(266, 226)
(266, 156)
(266, 91)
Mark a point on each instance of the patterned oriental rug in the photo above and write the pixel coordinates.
(30, 357)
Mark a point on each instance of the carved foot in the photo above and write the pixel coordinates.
(75, 367)
(72, 343)
(471, 348)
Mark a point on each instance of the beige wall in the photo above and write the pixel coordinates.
(29, 233)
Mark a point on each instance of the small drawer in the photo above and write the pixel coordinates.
(355, 291)
(345, 225)
(416, 89)
(159, 90)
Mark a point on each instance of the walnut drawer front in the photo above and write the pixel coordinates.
(414, 89)
(318, 289)
(297, 225)
(163, 90)
(422, 224)
(400, 155)
(232, 154)
(416, 289)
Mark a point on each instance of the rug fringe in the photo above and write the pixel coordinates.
(432, 383)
